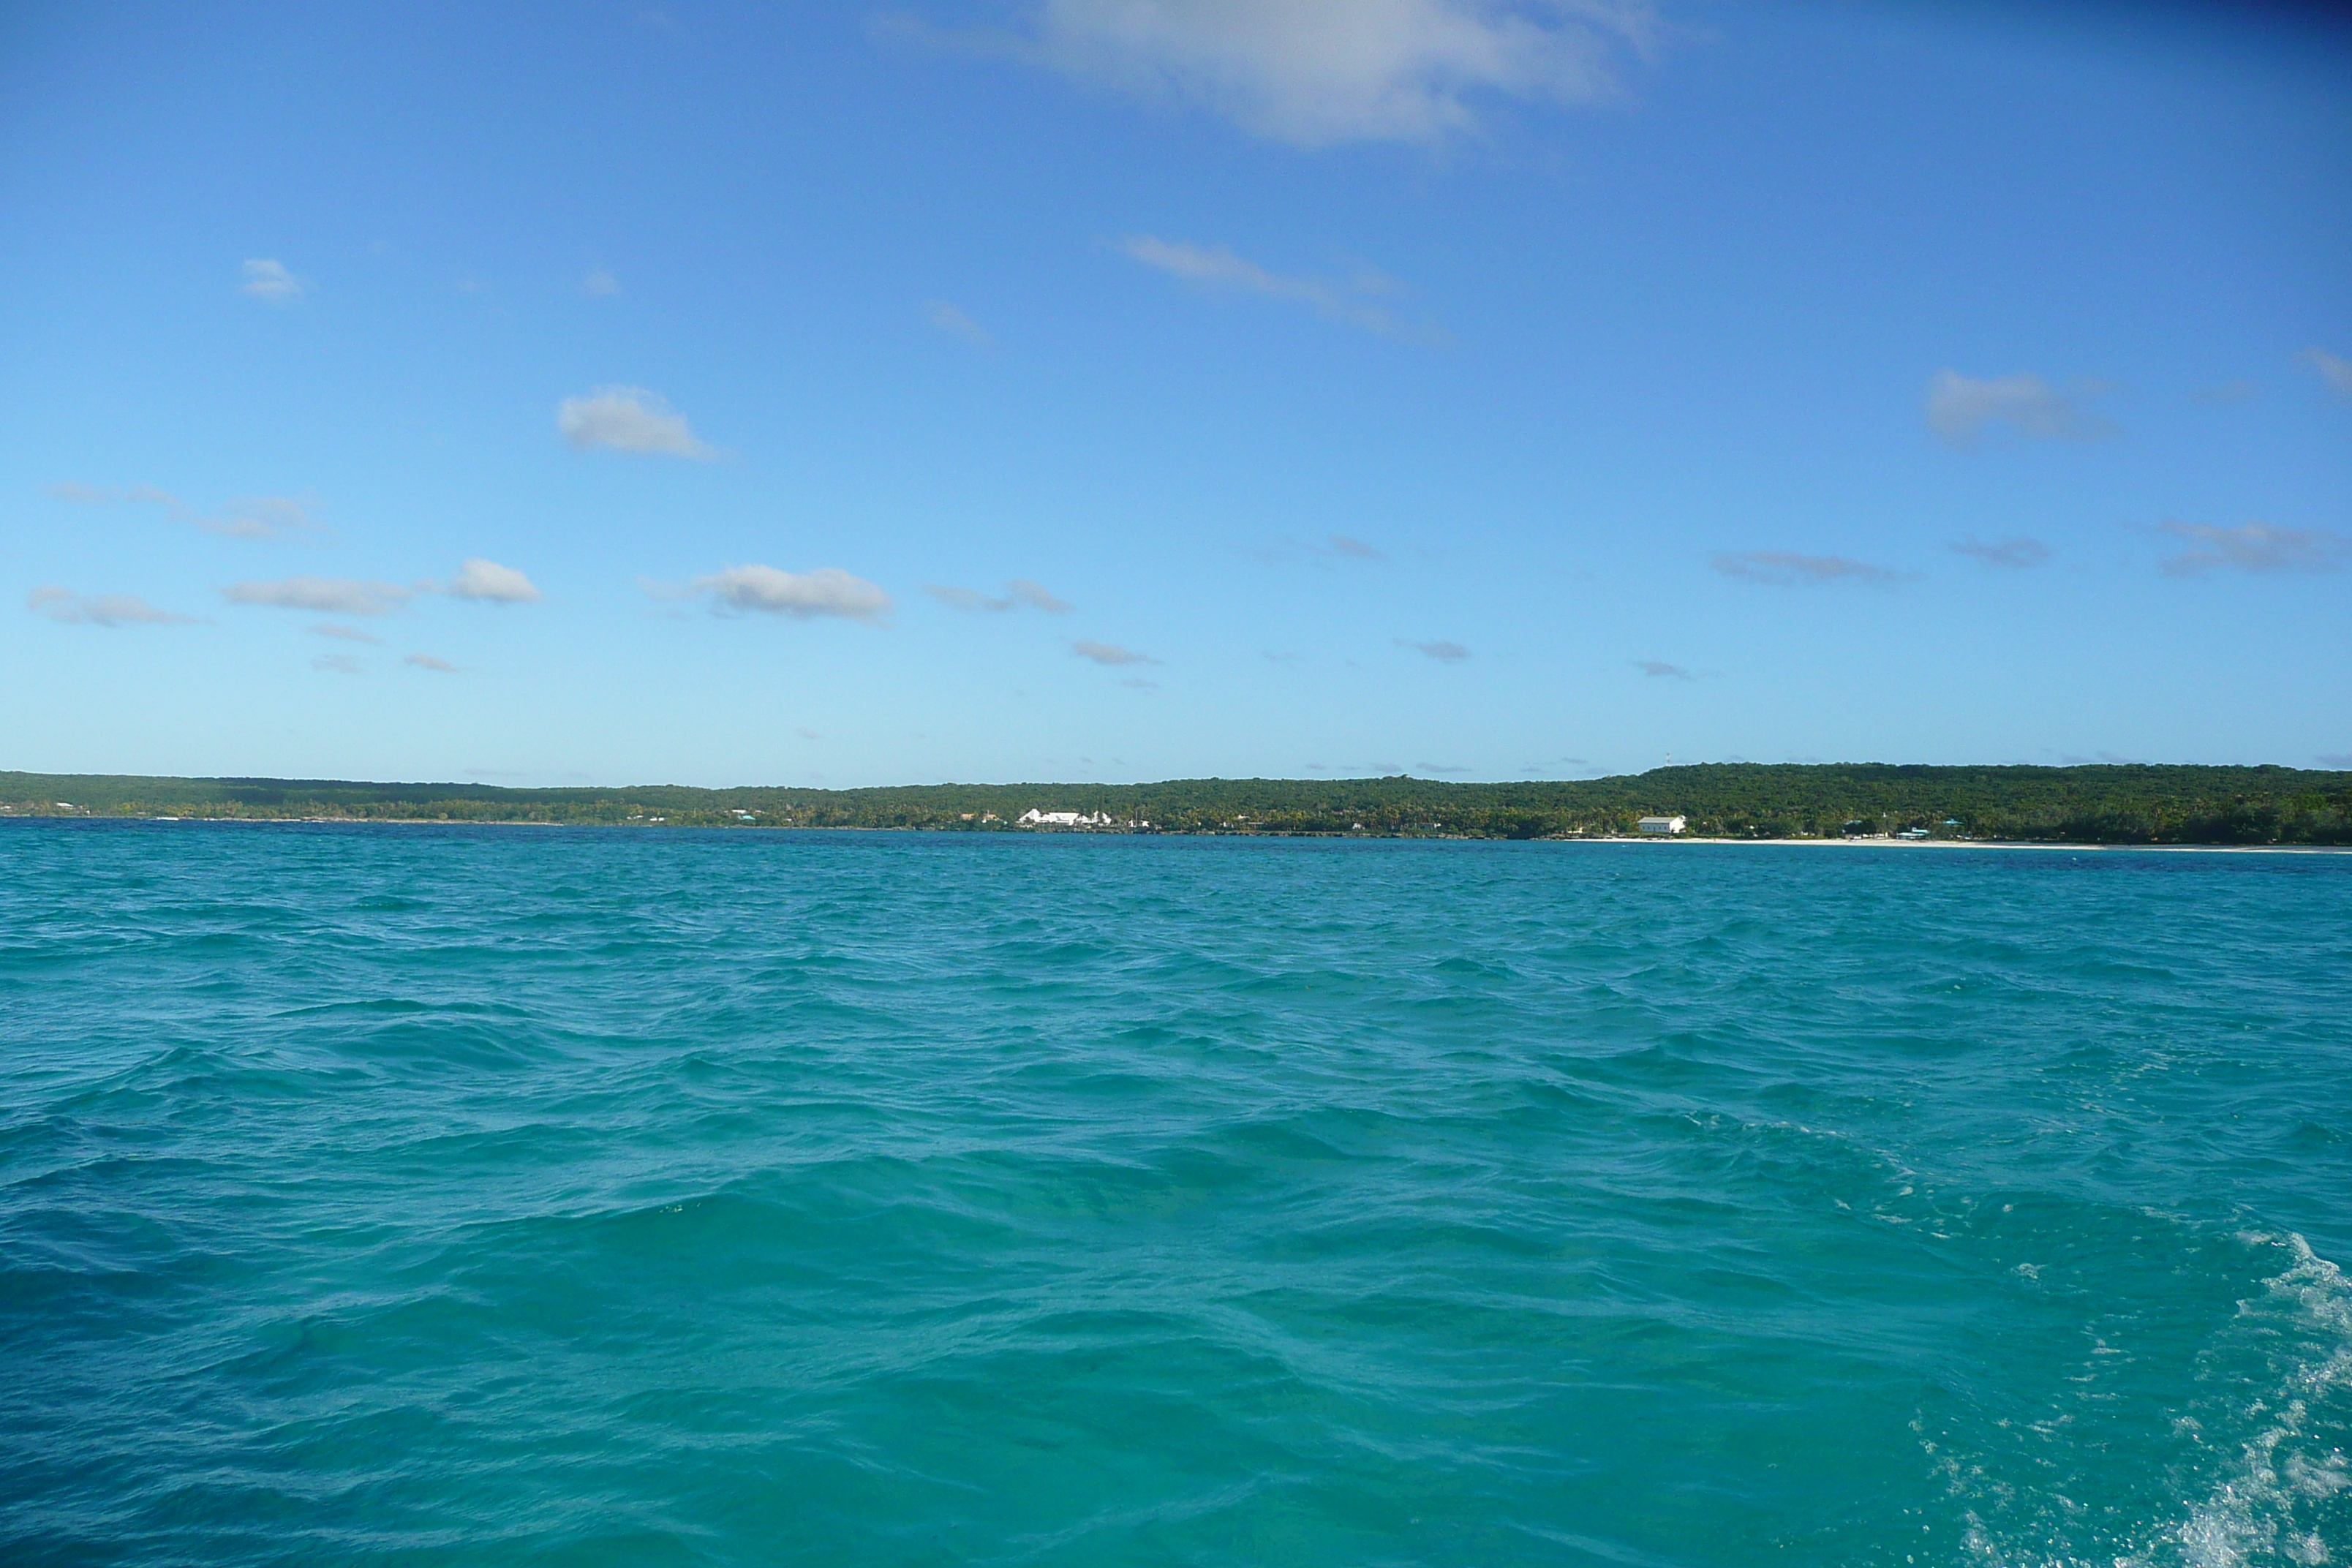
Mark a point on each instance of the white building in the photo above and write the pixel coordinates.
(1661, 827)
(1033, 817)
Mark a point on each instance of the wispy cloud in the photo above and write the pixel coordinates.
(1214, 267)
(2334, 368)
(1661, 671)
(1783, 568)
(99, 609)
(953, 320)
(108, 495)
(340, 663)
(1959, 407)
(1331, 547)
(248, 517)
(2015, 552)
(1137, 683)
(803, 596)
(481, 579)
(1018, 592)
(1316, 73)
(1110, 653)
(269, 282)
(1037, 596)
(948, 594)
(426, 661)
(261, 517)
(325, 595)
(1443, 652)
(2254, 547)
(344, 634)
(2229, 391)
(628, 419)
(600, 284)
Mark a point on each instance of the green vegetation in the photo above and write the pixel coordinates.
(2105, 805)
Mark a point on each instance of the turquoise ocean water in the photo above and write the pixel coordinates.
(424, 1195)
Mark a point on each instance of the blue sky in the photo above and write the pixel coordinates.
(1123, 389)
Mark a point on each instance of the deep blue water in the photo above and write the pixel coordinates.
(428, 1196)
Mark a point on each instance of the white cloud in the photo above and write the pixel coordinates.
(269, 281)
(1782, 569)
(341, 663)
(628, 419)
(426, 661)
(1214, 267)
(483, 579)
(828, 591)
(344, 634)
(2334, 369)
(2016, 551)
(99, 609)
(1959, 407)
(2254, 547)
(1314, 73)
(327, 595)
(1110, 653)
(948, 319)
(1443, 652)
(600, 285)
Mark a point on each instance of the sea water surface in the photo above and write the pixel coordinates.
(506, 1196)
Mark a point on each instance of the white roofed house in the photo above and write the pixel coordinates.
(1661, 827)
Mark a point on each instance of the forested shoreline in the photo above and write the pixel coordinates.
(2105, 803)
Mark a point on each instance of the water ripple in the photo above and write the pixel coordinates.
(463, 1194)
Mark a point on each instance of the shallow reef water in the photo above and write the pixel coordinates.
(644, 1196)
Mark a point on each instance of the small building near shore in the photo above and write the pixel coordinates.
(1661, 827)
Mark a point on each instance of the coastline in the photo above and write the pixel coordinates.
(2071, 846)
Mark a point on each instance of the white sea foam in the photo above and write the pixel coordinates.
(2260, 1510)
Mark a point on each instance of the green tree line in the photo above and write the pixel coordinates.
(2122, 803)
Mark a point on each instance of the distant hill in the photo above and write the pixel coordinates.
(2126, 804)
